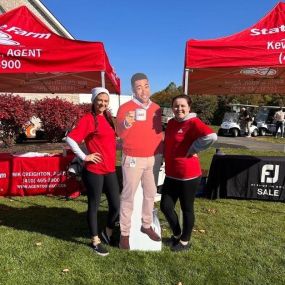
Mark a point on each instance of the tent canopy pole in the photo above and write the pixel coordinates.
(186, 81)
(103, 79)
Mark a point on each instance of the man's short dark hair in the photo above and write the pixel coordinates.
(138, 76)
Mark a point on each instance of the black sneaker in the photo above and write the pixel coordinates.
(105, 237)
(174, 241)
(180, 247)
(100, 249)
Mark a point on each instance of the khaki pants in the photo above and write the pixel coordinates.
(247, 128)
(136, 169)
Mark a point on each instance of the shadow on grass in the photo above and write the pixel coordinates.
(62, 223)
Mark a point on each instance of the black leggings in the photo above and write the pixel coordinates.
(173, 190)
(95, 183)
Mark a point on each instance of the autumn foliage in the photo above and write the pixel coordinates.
(57, 116)
(15, 111)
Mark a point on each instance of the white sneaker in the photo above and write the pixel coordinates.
(157, 197)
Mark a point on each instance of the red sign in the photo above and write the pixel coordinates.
(28, 176)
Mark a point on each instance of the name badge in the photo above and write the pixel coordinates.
(132, 162)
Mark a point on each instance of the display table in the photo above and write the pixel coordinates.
(247, 177)
(28, 176)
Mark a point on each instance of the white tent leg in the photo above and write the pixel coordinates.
(186, 78)
(103, 79)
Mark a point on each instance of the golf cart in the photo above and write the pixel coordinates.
(265, 120)
(166, 115)
(231, 124)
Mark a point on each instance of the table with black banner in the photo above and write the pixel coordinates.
(247, 177)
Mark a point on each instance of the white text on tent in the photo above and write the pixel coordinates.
(24, 52)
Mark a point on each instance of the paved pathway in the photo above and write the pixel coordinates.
(248, 143)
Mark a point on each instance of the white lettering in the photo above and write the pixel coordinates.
(10, 64)
(276, 45)
(266, 192)
(16, 30)
(264, 31)
(29, 180)
(19, 31)
(41, 186)
(270, 45)
(2, 175)
(41, 173)
(24, 52)
(267, 171)
(273, 31)
(267, 31)
(255, 32)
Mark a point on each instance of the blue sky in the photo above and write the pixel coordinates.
(149, 36)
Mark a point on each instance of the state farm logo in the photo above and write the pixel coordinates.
(267, 31)
(269, 173)
(261, 71)
(6, 40)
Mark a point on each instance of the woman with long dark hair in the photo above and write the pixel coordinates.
(185, 136)
(97, 130)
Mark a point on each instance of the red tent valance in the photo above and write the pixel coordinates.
(34, 59)
(251, 61)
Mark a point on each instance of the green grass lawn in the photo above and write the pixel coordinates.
(234, 242)
(271, 139)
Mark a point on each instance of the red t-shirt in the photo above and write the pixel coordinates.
(98, 137)
(179, 136)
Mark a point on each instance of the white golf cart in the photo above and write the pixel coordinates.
(166, 115)
(265, 120)
(231, 124)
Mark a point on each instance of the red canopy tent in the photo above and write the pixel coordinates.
(249, 62)
(34, 59)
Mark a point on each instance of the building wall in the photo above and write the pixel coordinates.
(74, 98)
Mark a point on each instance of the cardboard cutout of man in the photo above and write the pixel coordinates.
(139, 127)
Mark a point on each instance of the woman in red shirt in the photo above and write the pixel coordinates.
(97, 131)
(185, 136)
